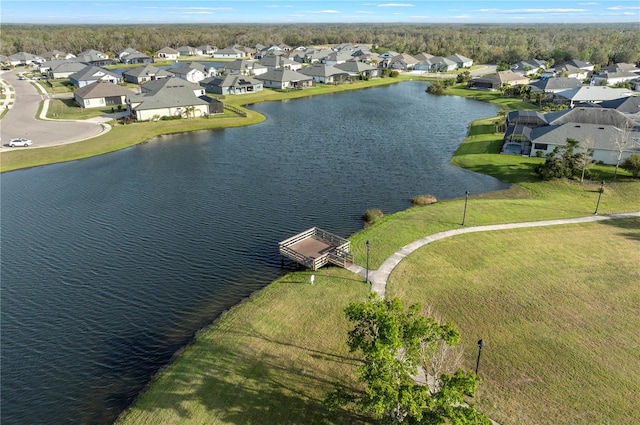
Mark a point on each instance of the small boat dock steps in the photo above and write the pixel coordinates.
(315, 248)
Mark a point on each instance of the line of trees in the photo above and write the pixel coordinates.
(599, 44)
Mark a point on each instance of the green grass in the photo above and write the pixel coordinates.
(557, 306)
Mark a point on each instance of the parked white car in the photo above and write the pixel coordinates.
(20, 142)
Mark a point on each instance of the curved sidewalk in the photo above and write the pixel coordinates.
(379, 278)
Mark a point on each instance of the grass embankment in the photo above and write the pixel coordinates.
(557, 306)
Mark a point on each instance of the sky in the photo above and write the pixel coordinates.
(311, 11)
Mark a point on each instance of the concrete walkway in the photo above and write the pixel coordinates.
(379, 278)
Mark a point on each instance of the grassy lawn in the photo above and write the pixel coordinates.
(557, 306)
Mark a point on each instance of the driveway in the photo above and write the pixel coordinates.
(21, 119)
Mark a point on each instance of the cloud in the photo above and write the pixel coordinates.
(396, 5)
(624, 8)
(530, 11)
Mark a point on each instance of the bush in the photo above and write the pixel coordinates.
(372, 215)
(632, 164)
(424, 200)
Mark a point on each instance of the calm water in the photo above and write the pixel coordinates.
(110, 264)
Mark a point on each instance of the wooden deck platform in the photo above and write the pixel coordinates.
(315, 248)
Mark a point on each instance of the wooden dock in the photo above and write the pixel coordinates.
(315, 248)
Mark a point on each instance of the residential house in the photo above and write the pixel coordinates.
(56, 54)
(167, 53)
(232, 84)
(24, 58)
(229, 53)
(388, 54)
(460, 61)
(101, 94)
(325, 74)
(615, 74)
(627, 105)
(335, 58)
(570, 69)
(357, 69)
(170, 97)
(401, 62)
(555, 84)
(94, 57)
(186, 51)
(126, 52)
(422, 56)
(603, 130)
(248, 52)
(142, 74)
(592, 94)
(312, 55)
(137, 58)
(529, 67)
(90, 74)
(497, 80)
(276, 62)
(206, 49)
(285, 79)
(245, 67)
(63, 69)
(436, 64)
(193, 71)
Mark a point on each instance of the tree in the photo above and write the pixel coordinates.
(621, 142)
(632, 164)
(436, 88)
(394, 343)
(564, 161)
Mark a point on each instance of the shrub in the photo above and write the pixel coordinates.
(372, 215)
(424, 200)
(632, 164)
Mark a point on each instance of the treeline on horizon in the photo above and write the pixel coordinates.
(602, 44)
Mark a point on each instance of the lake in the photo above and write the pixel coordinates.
(112, 263)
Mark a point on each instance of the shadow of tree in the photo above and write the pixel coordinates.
(631, 225)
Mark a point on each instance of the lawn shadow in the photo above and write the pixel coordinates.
(630, 225)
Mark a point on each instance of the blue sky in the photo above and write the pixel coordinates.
(304, 11)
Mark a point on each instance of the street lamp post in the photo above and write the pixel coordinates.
(599, 196)
(367, 272)
(481, 344)
(466, 199)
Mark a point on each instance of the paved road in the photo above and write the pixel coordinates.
(379, 278)
(21, 119)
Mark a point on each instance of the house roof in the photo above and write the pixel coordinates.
(232, 80)
(24, 56)
(90, 72)
(556, 83)
(66, 66)
(596, 116)
(229, 51)
(423, 56)
(155, 86)
(170, 95)
(100, 89)
(322, 70)
(283, 75)
(626, 105)
(168, 50)
(356, 67)
(147, 70)
(594, 93)
(276, 61)
(459, 58)
(404, 57)
(601, 136)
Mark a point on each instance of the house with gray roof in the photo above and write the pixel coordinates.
(62, 68)
(603, 130)
(229, 53)
(555, 84)
(142, 74)
(232, 84)
(206, 49)
(193, 71)
(615, 74)
(275, 62)
(101, 94)
(592, 94)
(187, 51)
(461, 61)
(167, 53)
(136, 58)
(312, 55)
(90, 74)
(338, 57)
(359, 69)
(325, 74)
(245, 67)
(528, 67)
(436, 64)
(171, 97)
(285, 79)
(94, 57)
(401, 62)
(24, 58)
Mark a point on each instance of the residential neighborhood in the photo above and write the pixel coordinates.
(590, 102)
